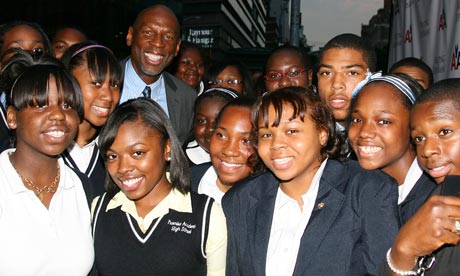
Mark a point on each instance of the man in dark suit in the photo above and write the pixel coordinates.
(154, 39)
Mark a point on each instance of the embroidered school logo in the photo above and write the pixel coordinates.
(408, 37)
(442, 21)
(177, 226)
(455, 59)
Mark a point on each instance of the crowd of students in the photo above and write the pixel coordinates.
(158, 164)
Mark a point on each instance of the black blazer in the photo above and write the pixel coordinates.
(181, 100)
(348, 233)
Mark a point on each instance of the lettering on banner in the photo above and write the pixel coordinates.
(408, 37)
(455, 59)
(439, 64)
(442, 21)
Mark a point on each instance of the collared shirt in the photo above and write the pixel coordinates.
(410, 180)
(82, 155)
(288, 225)
(208, 186)
(197, 154)
(216, 244)
(40, 241)
(133, 86)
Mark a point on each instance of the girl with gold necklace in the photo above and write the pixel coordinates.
(44, 214)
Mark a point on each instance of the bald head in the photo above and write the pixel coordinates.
(156, 11)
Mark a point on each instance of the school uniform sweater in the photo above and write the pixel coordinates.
(95, 171)
(173, 244)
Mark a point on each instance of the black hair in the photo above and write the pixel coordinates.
(414, 86)
(300, 52)
(354, 42)
(216, 93)
(443, 90)
(304, 102)
(185, 45)
(151, 115)
(67, 26)
(414, 62)
(217, 67)
(245, 102)
(4, 28)
(99, 59)
(32, 75)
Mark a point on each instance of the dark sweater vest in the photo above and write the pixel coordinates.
(95, 172)
(173, 245)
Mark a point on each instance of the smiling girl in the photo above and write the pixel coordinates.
(379, 134)
(45, 223)
(309, 215)
(99, 75)
(232, 151)
(148, 222)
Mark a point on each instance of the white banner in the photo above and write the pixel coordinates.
(429, 30)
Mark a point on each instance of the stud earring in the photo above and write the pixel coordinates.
(168, 158)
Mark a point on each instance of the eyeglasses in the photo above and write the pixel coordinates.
(229, 82)
(292, 74)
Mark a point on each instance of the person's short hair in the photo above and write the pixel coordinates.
(151, 115)
(304, 102)
(354, 42)
(443, 90)
(245, 102)
(67, 26)
(414, 62)
(4, 28)
(223, 94)
(217, 67)
(31, 76)
(98, 58)
(304, 57)
(185, 45)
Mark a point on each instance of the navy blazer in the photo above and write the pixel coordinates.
(416, 197)
(196, 173)
(180, 98)
(348, 233)
(447, 257)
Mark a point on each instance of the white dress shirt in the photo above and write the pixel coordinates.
(288, 225)
(410, 180)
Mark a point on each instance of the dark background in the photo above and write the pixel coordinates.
(105, 21)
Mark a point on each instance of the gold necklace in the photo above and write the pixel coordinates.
(38, 191)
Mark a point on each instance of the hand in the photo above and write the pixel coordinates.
(430, 228)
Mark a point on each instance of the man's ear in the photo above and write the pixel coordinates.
(129, 36)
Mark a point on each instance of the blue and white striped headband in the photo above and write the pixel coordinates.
(220, 89)
(398, 83)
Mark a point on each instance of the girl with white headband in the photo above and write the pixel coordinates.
(379, 134)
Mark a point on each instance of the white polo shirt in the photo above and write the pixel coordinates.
(39, 241)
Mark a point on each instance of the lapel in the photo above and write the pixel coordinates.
(328, 205)
(172, 99)
(259, 220)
